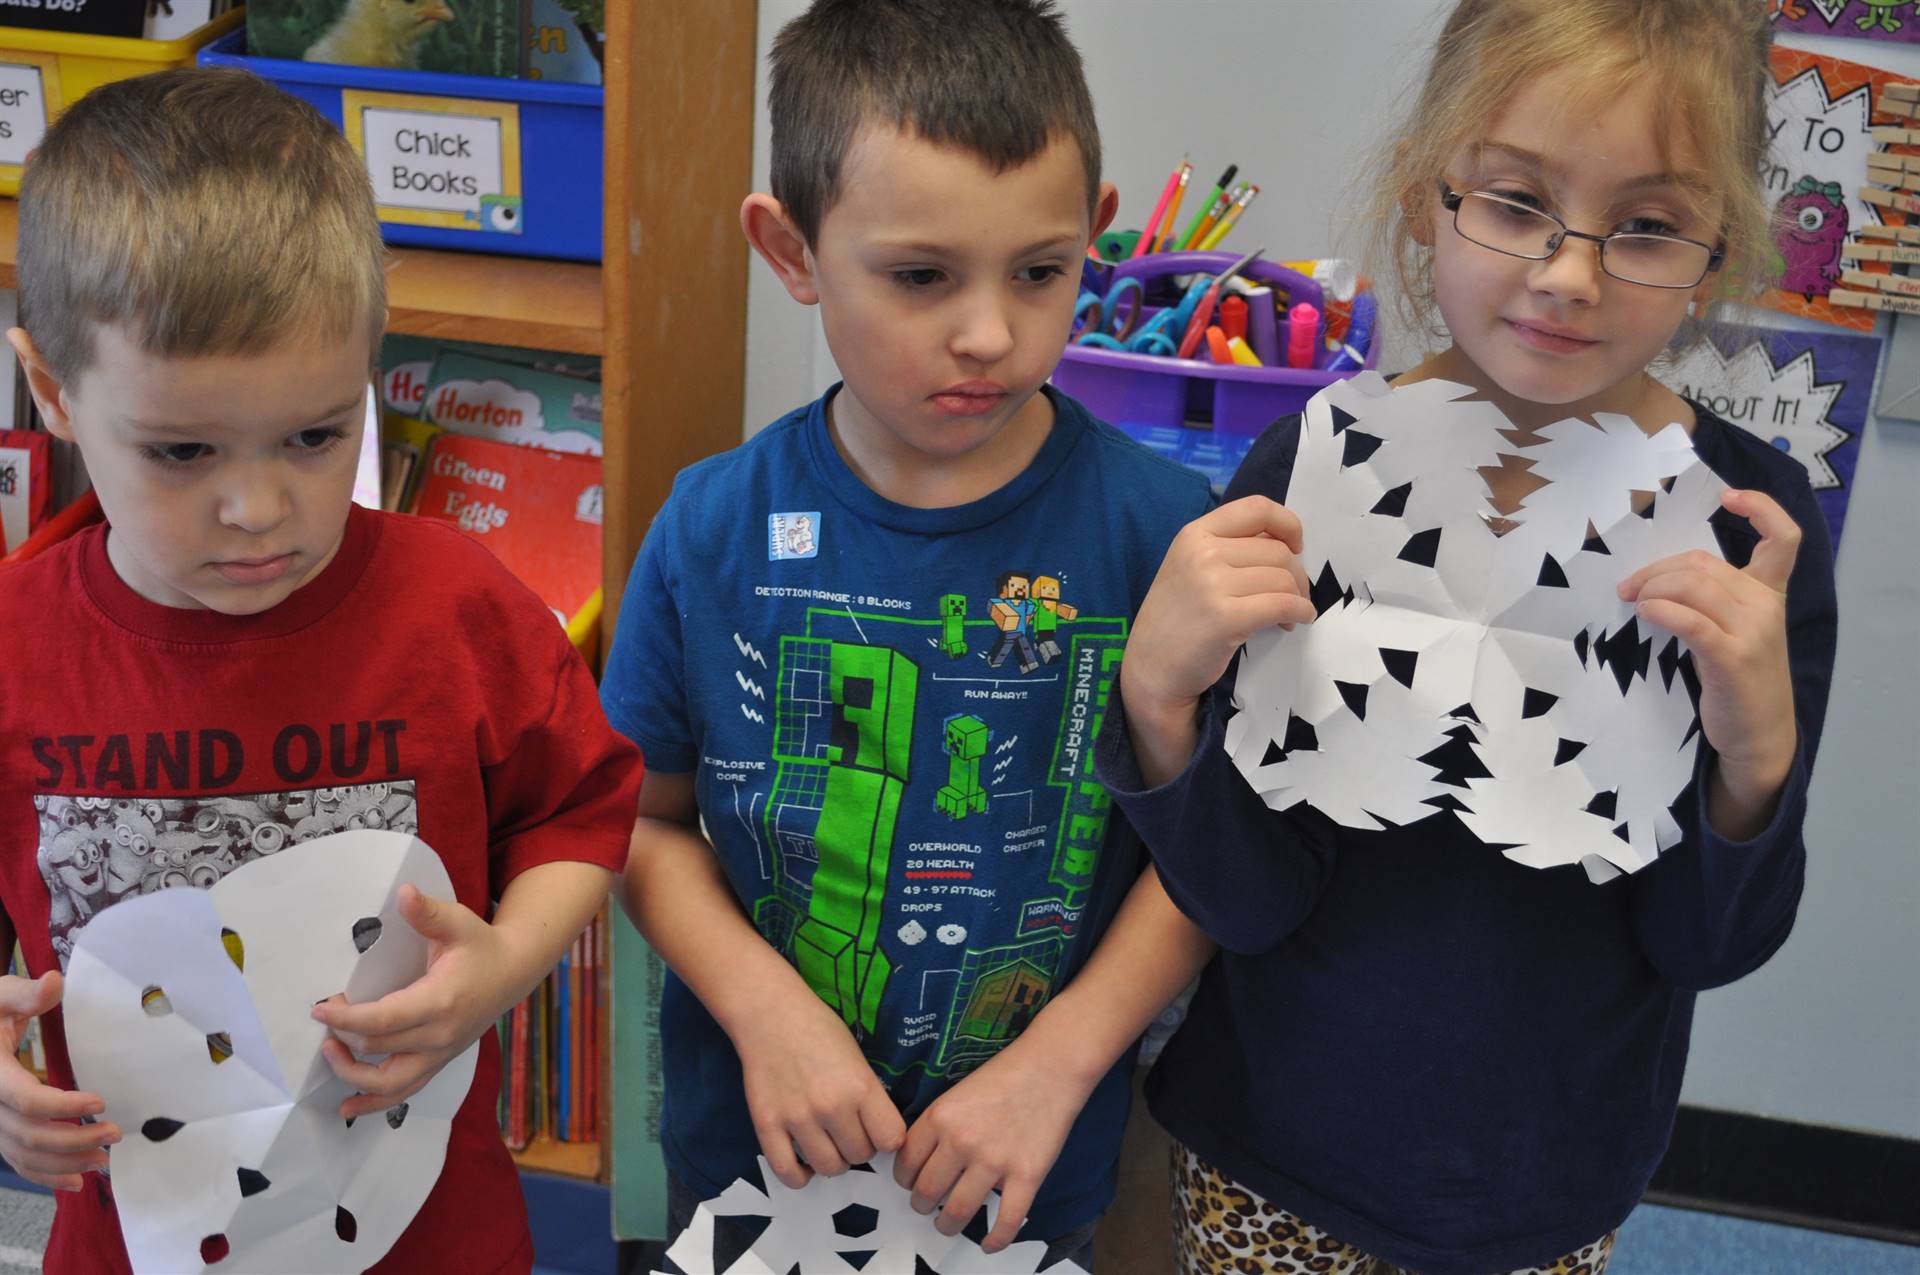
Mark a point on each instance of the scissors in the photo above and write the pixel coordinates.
(1202, 312)
(1106, 323)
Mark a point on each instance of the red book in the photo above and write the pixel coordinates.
(539, 511)
(517, 1081)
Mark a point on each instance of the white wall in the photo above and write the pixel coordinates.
(1295, 92)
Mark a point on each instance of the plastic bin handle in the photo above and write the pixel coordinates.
(1156, 265)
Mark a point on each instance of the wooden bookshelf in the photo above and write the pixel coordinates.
(568, 1159)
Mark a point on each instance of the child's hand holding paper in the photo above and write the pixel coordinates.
(476, 971)
(36, 1134)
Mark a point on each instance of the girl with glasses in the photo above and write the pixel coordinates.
(1413, 1054)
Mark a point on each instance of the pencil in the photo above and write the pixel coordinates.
(1209, 208)
(1220, 208)
(1219, 232)
(1173, 184)
(1173, 210)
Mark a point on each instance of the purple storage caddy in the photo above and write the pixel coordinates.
(1147, 390)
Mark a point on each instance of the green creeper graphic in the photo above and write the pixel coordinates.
(953, 625)
(965, 743)
(837, 947)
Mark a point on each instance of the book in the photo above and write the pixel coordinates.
(567, 41)
(474, 37)
(539, 511)
(406, 364)
(175, 19)
(26, 486)
(508, 403)
(81, 19)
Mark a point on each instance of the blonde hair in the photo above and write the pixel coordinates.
(203, 211)
(1710, 58)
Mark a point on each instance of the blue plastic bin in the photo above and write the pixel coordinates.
(1142, 392)
(561, 130)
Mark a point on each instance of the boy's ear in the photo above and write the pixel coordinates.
(779, 242)
(1104, 210)
(49, 393)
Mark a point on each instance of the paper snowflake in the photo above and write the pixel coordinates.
(189, 1012)
(1498, 676)
(859, 1223)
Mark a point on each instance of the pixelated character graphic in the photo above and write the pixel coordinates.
(800, 540)
(1810, 228)
(965, 742)
(870, 697)
(1012, 612)
(953, 625)
(1048, 611)
(1880, 14)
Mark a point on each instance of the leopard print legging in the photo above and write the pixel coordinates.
(1221, 1228)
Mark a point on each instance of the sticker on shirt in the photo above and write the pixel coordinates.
(96, 851)
(793, 535)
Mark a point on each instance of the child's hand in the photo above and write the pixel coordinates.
(1227, 575)
(1735, 623)
(809, 1088)
(469, 983)
(1002, 1126)
(36, 1134)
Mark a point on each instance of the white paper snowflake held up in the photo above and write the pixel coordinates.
(858, 1223)
(189, 1012)
(1497, 676)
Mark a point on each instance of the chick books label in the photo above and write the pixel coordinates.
(446, 162)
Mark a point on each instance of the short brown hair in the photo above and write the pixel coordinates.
(998, 78)
(1710, 58)
(204, 211)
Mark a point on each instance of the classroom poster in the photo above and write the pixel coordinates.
(1823, 113)
(1886, 21)
(1807, 393)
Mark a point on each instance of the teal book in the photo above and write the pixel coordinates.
(508, 403)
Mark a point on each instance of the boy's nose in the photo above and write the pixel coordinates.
(985, 333)
(1572, 274)
(254, 504)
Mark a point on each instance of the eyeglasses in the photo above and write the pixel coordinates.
(1521, 230)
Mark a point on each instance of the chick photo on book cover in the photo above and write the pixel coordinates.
(466, 37)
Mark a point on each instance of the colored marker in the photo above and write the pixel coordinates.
(1303, 328)
(1180, 174)
(1219, 232)
(1217, 347)
(1233, 317)
(1207, 211)
(1263, 326)
(1242, 353)
(1353, 355)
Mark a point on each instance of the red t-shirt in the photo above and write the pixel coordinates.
(413, 685)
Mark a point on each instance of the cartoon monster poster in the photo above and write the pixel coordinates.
(1822, 112)
(1896, 21)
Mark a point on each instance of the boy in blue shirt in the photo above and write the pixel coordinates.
(870, 844)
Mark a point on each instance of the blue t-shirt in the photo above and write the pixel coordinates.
(890, 713)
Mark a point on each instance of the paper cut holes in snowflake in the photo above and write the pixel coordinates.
(1342, 418)
(396, 1116)
(214, 1248)
(856, 1220)
(1359, 448)
(1422, 548)
(236, 952)
(1594, 544)
(159, 1129)
(1400, 665)
(252, 1182)
(219, 1047)
(1605, 803)
(154, 1001)
(343, 1224)
(1567, 750)
(1536, 703)
(366, 932)
(1552, 575)
(1394, 503)
(1355, 694)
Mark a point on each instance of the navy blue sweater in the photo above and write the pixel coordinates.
(1454, 1062)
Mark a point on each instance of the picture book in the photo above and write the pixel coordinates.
(465, 37)
(539, 511)
(26, 490)
(486, 398)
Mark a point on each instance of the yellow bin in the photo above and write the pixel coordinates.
(42, 71)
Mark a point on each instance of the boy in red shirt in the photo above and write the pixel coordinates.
(242, 659)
